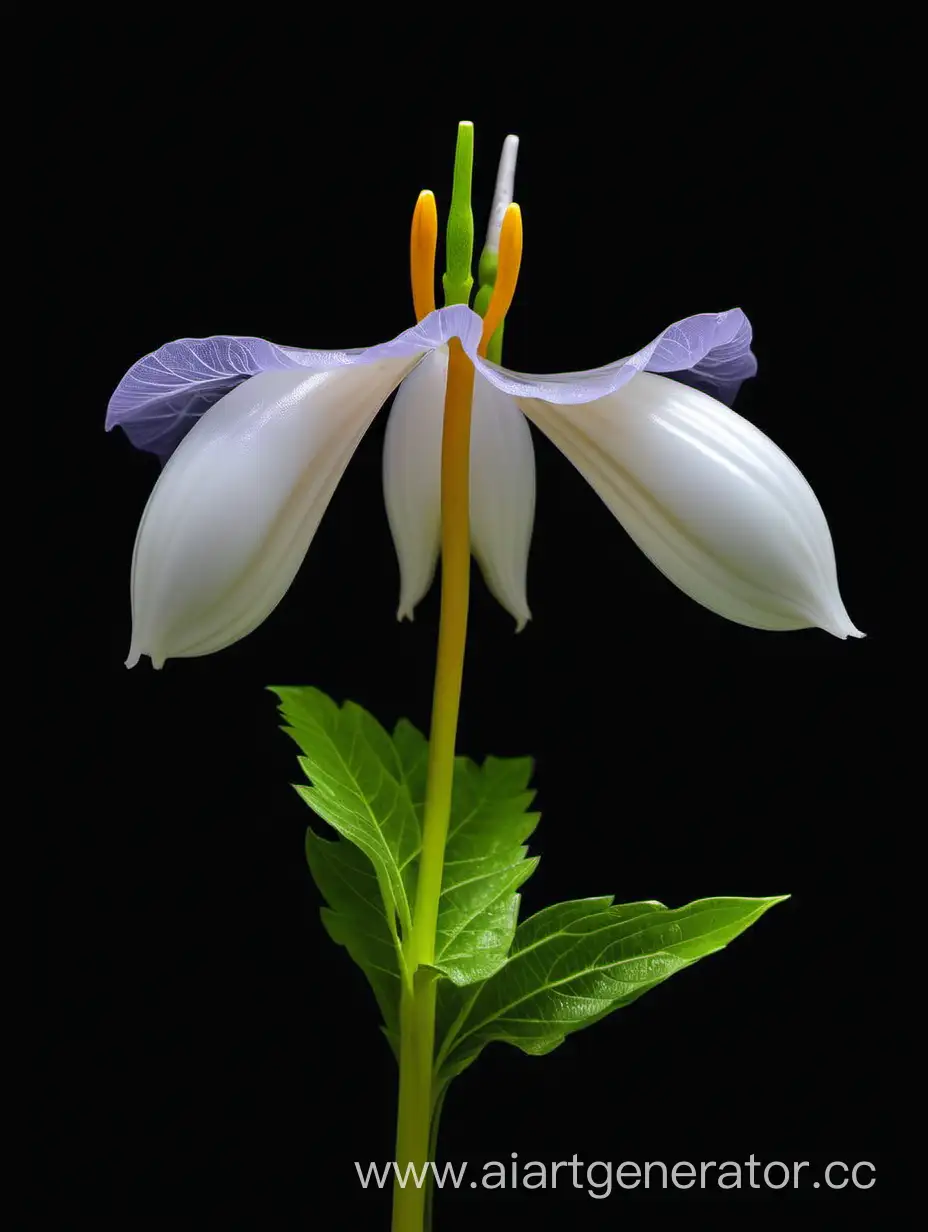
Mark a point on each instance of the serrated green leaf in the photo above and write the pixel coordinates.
(359, 786)
(370, 787)
(575, 962)
(485, 858)
(355, 917)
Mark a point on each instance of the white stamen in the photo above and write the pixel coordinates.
(502, 197)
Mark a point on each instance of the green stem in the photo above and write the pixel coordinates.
(433, 1154)
(414, 1117)
(418, 998)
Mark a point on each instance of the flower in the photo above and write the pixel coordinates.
(256, 437)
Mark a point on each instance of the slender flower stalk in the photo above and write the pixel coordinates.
(417, 1006)
(452, 634)
(418, 996)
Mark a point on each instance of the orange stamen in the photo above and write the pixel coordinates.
(507, 275)
(422, 243)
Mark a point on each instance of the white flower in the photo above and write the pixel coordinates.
(711, 500)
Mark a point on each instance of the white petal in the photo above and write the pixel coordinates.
(719, 508)
(236, 507)
(502, 496)
(412, 476)
(502, 486)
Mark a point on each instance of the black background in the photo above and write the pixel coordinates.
(211, 1056)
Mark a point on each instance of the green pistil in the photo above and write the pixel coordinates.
(459, 238)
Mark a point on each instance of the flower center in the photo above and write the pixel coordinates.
(502, 253)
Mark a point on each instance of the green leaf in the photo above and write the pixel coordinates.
(485, 863)
(370, 787)
(576, 962)
(360, 787)
(355, 918)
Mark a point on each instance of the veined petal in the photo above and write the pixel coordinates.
(720, 510)
(235, 509)
(163, 395)
(711, 351)
(502, 486)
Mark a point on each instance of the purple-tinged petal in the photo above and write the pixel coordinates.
(162, 396)
(711, 350)
(724, 364)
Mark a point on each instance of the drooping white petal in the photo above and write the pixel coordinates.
(235, 508)
(412, 476)
(502, 486)
(502, 496)
(719, 508)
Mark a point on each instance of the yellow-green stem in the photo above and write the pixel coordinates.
(414, 1115)
(417, 1007)
(455, 592)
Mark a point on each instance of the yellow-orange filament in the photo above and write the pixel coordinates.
(422, 244)
(507, 274)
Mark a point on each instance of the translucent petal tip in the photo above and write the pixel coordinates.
(135, 655)
(832, 617)
(843, 629)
